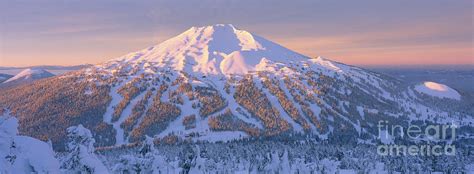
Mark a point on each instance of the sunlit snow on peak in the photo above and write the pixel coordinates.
(213, 50)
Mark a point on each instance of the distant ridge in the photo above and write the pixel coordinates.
(49, 67)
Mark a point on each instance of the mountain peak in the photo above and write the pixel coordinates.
(226, 26)
(223, 38)
(214, 49)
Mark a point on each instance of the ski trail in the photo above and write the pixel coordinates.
(116, 98)
(120, 136)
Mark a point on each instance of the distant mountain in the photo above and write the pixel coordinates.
(4, 77)
(49, 67)
(219, 83)
(56, 70)
(27, 76)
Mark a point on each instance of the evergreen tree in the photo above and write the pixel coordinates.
(141, 162)
(80, 148)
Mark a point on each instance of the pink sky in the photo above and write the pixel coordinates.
(360, 33)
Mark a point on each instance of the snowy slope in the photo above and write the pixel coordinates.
(29, 75)
(438, 90)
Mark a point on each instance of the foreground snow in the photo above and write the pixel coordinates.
(21, 154)
(438, 90)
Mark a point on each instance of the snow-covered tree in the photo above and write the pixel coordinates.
(146, 159)
(198, 163)
(131, 164)
(148, 147)
(141, 162)
(80, 148)
(22, 154)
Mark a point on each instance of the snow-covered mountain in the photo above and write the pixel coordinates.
(220, 83)
(48, 67)
(54, 69)
(28, 75)
(214, 50)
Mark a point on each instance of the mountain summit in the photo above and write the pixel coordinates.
(215, 49)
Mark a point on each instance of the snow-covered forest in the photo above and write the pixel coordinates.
(21, 154)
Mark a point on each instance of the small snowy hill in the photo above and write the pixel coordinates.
(28, 75)
(438, 90)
